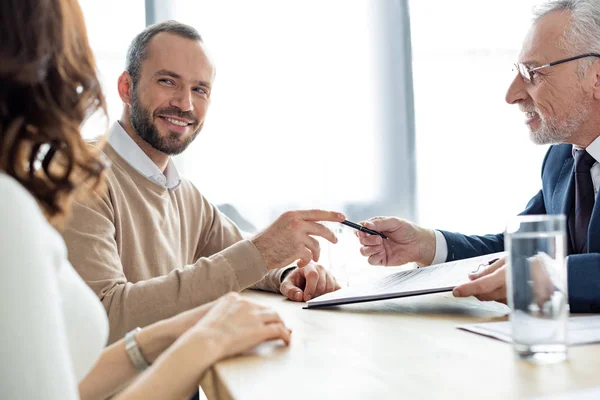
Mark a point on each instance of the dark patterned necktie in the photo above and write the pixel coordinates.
(584, 200)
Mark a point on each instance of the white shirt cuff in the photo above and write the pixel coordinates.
(441, 248)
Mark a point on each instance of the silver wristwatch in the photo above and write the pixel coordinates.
(133, 351)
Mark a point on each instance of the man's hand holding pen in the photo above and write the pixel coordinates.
(406, 242)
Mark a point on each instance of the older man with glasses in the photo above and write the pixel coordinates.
(557, 86)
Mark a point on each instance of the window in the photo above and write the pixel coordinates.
(293, 118)
(296, 114)
(111, 25)
(475, 163)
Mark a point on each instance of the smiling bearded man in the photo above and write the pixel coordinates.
(152, 246)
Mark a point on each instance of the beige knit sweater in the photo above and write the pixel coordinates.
(150, 253)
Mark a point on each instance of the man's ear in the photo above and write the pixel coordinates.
(125, 87)
(595, 71)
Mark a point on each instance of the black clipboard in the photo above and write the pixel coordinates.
(413, 282)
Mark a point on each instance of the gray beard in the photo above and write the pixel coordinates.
(550, 134)
(555, 132)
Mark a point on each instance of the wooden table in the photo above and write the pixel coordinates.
(395, 349)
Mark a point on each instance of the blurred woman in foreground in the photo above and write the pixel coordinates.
(54, 329)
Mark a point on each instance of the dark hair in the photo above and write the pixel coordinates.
(137, 51)
(48, 87)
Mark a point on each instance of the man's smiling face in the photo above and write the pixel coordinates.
(170, 100)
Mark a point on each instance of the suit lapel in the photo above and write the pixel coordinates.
(594, 228)
(564, 197)
(565, 193)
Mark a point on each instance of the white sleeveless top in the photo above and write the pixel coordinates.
(52, 326)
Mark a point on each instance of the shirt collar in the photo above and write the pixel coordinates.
(594, 149)
(128, 149)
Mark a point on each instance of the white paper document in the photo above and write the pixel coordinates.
(434, 279)
(580, 330)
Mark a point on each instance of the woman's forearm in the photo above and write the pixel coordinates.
(177, 371)
(114, 370)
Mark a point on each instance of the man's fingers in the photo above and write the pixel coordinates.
(305, 257)
(375, 259)
(316, 229)
(466, 289)
(313, 245)
(332, 284)
(322, 283)
(383, 224)
(496, 295)
(487, 270)
(486, 284)
(303, 262)
(321, 215)
(291, 291)
(368, 224)
(370, 240)
(370, 250)
(312, 279)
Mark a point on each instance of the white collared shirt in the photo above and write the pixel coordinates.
(441, 246)
(594, 150)
(127, 148)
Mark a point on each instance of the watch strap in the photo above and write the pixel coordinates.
(133, 351)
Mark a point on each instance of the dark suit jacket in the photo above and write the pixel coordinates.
(556, 197)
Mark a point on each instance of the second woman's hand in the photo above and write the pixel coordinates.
(235, 324)
(230, 325)
(229, 317)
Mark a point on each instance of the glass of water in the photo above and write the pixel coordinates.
(536, 282)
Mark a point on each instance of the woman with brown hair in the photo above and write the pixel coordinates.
(53, 327)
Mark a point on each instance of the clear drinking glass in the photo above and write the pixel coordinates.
(536, 280)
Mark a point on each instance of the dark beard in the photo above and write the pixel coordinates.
(141, 120)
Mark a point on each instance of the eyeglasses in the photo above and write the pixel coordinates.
(528, 73)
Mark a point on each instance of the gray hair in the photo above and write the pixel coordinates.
(138, 49)
(583, 34)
